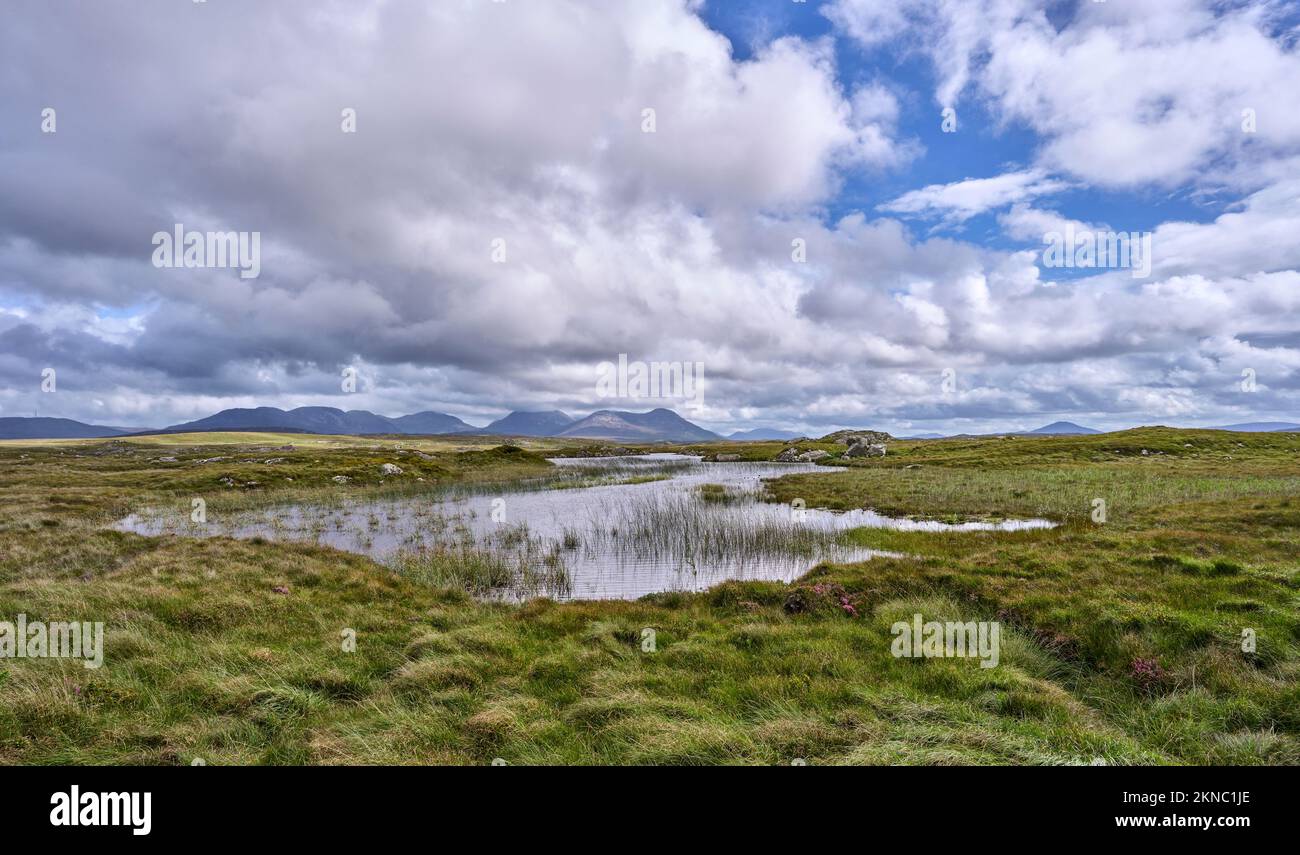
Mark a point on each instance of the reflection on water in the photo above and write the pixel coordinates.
(606, 528)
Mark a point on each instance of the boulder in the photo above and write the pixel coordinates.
(788, 455)
(390, 469)
(865, 449)
(813, 456)
(868, 436)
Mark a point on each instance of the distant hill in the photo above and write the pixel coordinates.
(323, 420)
(659, 425)
(1063, 429)
(41, 427)
(430, 422)
(925, 436)
(763, 433)
(524, 423)
(1259, 427)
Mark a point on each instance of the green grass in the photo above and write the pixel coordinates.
(233, 651)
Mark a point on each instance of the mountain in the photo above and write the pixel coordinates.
(430, 422)
(41, 427)
(1062, 429)
(325, 420)
(523, 423)
(1260, 427)
(659, 425)
(763, 433)
(925, 436)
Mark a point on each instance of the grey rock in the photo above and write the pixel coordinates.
(390, 469)
(865, 449)
(870, 436)
(814, 455)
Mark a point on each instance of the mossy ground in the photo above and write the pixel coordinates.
(233, 651)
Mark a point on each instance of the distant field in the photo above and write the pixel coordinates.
(1122, 638)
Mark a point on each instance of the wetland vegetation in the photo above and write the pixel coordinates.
(1122, 640)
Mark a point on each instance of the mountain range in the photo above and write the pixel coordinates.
(660, 425)
(43, 427)
(324, 420)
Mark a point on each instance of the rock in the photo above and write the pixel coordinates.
(270, 461)
(814, 455)
(726, 458)
(912, 466)
(340, 479)
(390, 469)
(166, 459)
(848, 437)
(865, 449)
(788, 455)
(871, 436)
(210, 460)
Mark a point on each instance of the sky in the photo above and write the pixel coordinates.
(841, 213)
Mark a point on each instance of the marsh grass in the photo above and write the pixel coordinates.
(228, 650)
(528, 570)
(689, 528)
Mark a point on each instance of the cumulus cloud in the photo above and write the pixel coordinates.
(1124, 94)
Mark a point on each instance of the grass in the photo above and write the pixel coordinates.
(692, 531)
(235, 651)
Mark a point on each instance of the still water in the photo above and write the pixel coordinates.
(610, 528)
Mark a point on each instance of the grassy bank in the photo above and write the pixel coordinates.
(1121, 639)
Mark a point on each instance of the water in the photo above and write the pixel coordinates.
(597, 529)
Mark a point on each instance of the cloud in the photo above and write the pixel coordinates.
(523, 123)
(1149, 92)
(960, 200)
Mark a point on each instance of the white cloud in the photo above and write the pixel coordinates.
(1147, 92)
(960, 200)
